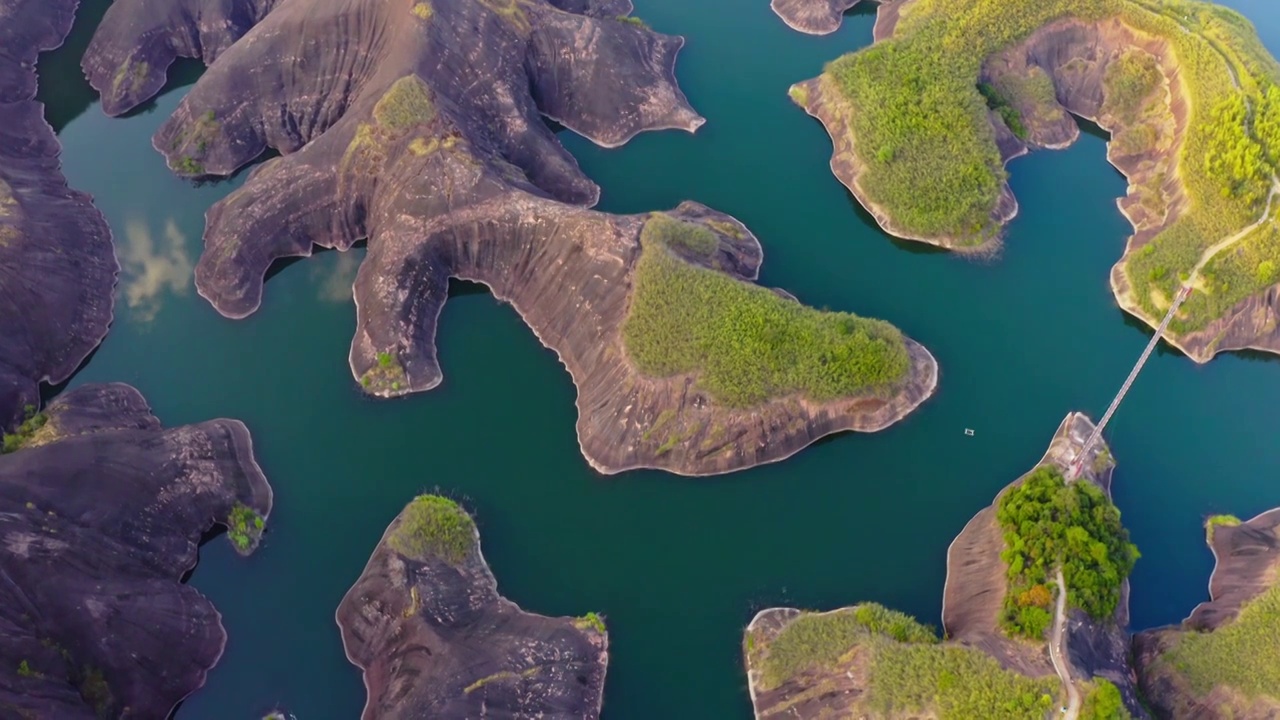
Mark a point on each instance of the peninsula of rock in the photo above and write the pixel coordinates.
(101, 514)
(57, 264)
(1009, 652)
(432, 115)
(433, 637)
(924, 120)
(1223, 663)
(816, 17)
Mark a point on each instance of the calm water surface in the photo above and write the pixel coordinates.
(678, 566)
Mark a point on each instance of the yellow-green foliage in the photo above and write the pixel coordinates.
(590, 621)
(1104, 702)
(388, 374)
(422, 10)
(815, 640)
(18, 439)
(747, 344)
(921, 126)
(406, 103)
(908, 670)
(1217, 521)
(434, 527)
(129, 77)
(1243, 655)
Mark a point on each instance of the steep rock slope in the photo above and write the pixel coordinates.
(57, 266)
(101, 513)
(434, 638)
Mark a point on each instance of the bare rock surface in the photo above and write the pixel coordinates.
(101, 514)
(815, 17)
(419, 127)
(426, 625)
(57, 265)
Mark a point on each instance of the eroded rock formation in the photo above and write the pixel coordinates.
(1247, 566)
(972, 606)
(816, 17)
(57, 266)
(101, 513)
(426, 625)
(423, 135)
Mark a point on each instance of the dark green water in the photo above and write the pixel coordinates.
(677, 565)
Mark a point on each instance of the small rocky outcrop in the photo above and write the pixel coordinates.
(101, 514)
(1247, 567)
(972, 605)
(426, 625)
(57, 265)
(815, 17)
(425, 136)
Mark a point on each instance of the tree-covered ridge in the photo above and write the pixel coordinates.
(908, 670)
(1243, 655)
(930, 161)
(1049, 523)
(747, 344)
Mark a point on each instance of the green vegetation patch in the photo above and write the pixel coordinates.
(931, 162)
(590, 621)
(820, 640)
(405, 104)
(244, 527)
(387, 375)
(1243, 655)
(745, 343)
(1049, 523)
(422, 10)
(1103, 702)
(632, 20)
(1217, 521)
(433, 526)
(20, 437)
(909, 671)
(129, 77)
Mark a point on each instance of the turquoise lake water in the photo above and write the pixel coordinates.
(678, 566)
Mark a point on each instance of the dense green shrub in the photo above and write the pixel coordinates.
(1047, 524)
(32, 422)
(747, 344)
(1103, 702)
(433, 526)
(1243, 655)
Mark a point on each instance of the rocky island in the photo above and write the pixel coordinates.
(1224, 662)
(57, 264)
(1017, 645)
(426, 625)
(924, 120)
(424, 134)
(101, 514)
